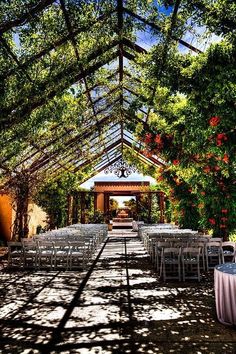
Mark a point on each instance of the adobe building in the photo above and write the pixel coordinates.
(105, 190)
(7, 215)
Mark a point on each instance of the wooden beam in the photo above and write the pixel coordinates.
(70, 153)
(39, 163)
(34, 102)
(85, 163)
(31, 12)
(56, 44)
(159, 29)
(151, 158)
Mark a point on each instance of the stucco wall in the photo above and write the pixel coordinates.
(119, 188)
(5, 217)
(36, 217)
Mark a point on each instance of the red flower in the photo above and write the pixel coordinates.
(207, 169)
(224, 211)
(222, 226)
(209, 155)
(212, 221)
(224, 219)
(214, 121)
(203, 193)
(148, 138)
(220, 138)
(147, 153)
(176, 162)
(158, 139)
(225, 158)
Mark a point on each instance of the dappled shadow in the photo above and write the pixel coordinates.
(119, 306)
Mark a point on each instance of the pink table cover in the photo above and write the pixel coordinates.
(225, 293)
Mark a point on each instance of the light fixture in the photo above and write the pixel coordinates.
(121, 169)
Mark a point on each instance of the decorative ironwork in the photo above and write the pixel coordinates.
(121, 169)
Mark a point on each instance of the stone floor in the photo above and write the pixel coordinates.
(118, 306)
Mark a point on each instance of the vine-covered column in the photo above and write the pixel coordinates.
(69, 209)
(162, 207)
(19, 187)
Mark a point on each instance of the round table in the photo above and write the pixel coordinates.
(225, 293)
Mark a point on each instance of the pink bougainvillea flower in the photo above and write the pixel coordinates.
(212, 221)
(214, 121)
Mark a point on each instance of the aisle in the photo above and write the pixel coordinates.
(101, 320)
(118, 307)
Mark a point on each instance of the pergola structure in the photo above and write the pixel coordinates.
(73, 67)
(76, 89)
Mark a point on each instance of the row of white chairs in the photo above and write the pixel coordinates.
(49, 254)
(212, 250)
(62, 248)
(180, 263)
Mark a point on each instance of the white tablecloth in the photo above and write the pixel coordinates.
(225, 293)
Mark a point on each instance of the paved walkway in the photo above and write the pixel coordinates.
(118, 306)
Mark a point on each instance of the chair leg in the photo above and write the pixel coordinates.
(183, 271)
(179, 268)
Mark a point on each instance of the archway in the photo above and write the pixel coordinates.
(103, 191)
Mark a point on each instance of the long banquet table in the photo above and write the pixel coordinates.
(225, 293)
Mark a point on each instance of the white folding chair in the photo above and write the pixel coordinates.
(46, 254)
(228, 251)
(77, 255)
(213, 254)
(170, 263)
(15, 254)
(30, 253)
(190, 258)
(61, 257)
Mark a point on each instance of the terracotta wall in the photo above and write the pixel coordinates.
(100, 201)
(119, 188)
(5, 217)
